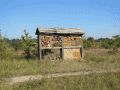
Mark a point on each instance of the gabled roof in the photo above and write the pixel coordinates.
(60, 31)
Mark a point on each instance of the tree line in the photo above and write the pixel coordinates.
(107, 43)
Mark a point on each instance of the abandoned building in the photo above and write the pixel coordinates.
(60, 43)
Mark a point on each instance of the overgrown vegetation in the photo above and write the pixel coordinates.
(93, 60)
(25, 47)
(100, 54)
(5, 49)
(107, 43)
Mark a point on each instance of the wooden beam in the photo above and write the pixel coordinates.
(62, 38)
(39, 48)
(67, 47)
(51, 47)
(72, 47)
(82, 47)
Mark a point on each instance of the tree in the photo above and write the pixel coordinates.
(27, 44)
(116, 41)
(89, 42)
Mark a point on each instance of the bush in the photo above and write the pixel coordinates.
(6, 51)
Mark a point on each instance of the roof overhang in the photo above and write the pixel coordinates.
(59, 31)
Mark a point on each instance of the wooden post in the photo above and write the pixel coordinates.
(82, 47)
(39, 48)
(62, 38)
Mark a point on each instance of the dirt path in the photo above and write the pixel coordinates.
(19, 79)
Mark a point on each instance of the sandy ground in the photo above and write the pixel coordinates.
(19, 79)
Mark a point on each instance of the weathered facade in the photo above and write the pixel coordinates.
(60, 43)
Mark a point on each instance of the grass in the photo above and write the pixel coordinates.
(109, 81)
(93, 60)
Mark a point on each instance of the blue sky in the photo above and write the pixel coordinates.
(98, 18)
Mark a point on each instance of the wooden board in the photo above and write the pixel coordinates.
(72, 54)
(72, 41)
(44, 30)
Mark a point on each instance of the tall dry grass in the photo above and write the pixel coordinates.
(93, 60)
(108, 81)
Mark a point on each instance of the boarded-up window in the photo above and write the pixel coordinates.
(71, 41)
(72, 54)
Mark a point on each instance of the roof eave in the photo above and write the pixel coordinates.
(38, 32)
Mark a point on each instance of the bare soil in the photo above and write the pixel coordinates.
(20, 79)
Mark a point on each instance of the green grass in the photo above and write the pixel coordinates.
(109, 81)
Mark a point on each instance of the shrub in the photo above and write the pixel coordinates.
(6, 51)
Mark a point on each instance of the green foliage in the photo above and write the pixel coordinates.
(5, 49)
(116, 41)
(15, 43)
(90, 42)
(27, 44)
(107, 43)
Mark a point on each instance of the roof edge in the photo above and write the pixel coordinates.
(59, 31)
